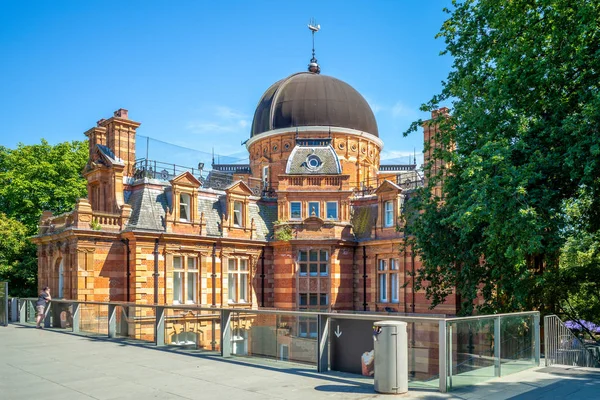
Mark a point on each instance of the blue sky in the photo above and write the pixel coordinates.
(192, 72)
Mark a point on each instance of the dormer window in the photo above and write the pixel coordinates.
(389, 213)
(237, 213)
(184, 207)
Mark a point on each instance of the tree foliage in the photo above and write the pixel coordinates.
(34, 178)
(523, 143)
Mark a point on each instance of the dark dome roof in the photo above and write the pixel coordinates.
(308, 99)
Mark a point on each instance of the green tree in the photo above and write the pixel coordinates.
(18, 263)
(34, 178)
(522, 141)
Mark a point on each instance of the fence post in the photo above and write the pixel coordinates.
(225, 333)
(323, 343)
(538, 344)
(497, 341)
(159, 326)
(546, 341)
(442, 356)
(112, 321)
(5, 305)
(76, 317)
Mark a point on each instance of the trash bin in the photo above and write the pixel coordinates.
(391, 357)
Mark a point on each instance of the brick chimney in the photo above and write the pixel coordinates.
(120, 138)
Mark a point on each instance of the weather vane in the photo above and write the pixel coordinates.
(314, 28)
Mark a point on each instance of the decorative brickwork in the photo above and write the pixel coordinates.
(151, 241)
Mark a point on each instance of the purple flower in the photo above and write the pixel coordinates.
(576, 325)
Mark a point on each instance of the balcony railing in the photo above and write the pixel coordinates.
(442, 352)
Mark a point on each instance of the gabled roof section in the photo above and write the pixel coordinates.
(239, 187)
(186, 179)
(388, 186)
(102, 155)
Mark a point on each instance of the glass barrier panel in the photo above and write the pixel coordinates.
(254, 334)
(136, 322)
(209, 330)
(297, 338)
(30, 312)
(193, 329)
(470, 352)
(93, 319)
(517, 350)
(423, 354)
(61, 315)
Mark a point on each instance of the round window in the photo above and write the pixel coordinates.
(313, 162)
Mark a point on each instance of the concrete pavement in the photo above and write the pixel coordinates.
(51, 364)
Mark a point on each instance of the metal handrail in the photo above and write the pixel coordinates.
(226, 317)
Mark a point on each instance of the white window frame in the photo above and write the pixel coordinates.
(238, 213)
(184, 203)
(382, 281)
(388, 280)
(178, 275)
(265, 176)
(238, 281)
(388, 213)
(336, 210)
(394, 281)
(292, 213)
(191, 277)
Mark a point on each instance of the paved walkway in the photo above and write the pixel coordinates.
(46, 364)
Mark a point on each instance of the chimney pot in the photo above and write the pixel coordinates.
(100, 121)
(122, 113)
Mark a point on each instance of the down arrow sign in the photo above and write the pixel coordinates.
(338, 333)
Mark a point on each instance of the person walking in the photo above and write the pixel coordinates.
(40, 305)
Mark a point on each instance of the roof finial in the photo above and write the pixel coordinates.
(313, 66)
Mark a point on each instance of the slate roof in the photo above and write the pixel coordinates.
(149, 206)
(148, 209)
(212, 214)
(298, 162)
(264, 216)
(109, 154)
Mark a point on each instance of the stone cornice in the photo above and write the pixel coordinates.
(316, 129)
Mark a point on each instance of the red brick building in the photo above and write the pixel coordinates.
(310, 223)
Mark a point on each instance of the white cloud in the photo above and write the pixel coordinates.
(391, 154)
(376, 107)
(219, 119)
(400, 110)
(228, 113)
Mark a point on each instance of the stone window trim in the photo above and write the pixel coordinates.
(185, 276)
